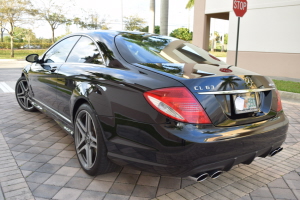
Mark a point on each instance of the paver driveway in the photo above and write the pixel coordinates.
(38, 161)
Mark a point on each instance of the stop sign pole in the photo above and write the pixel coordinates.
(239, 8)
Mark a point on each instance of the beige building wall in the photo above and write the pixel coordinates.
(269, 34)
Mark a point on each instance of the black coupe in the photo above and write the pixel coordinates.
(153, 102)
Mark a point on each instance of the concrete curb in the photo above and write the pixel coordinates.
(5, 60)
(290, 96)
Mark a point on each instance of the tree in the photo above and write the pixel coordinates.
(133, 23)
(164, 17)
(182, 33)
(226, 38)
(29, 35)
(190, 4)
(2, 25)
(13, 13)
(54, 14)
(152, 17)
(91, 21)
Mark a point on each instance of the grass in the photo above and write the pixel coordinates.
(288, 86)
(219, 54)
(19, 53)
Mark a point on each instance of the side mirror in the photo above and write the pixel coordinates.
(32, 58)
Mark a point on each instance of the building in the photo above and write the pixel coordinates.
(269, 41)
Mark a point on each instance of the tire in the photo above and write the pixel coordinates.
(89, 143)
(22, 95)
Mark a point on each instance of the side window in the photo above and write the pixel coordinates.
(61, 50)
(85, 51)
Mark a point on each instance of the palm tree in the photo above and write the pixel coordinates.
(164, 13)
(231, 81)
(190, 4)
(152, 17)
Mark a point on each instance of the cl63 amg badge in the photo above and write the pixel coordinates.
(206, 87)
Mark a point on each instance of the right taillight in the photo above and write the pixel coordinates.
(279, 104)
(177, 103)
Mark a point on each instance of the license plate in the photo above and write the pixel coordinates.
(245, 103)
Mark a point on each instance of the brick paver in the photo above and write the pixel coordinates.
(38, 161)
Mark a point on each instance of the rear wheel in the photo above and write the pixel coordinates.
(22, 95)
(89, 143)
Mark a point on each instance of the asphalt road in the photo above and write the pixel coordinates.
(10, 71)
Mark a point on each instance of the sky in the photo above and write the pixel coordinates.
(111, 10)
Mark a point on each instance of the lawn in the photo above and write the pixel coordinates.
(288, 86)
(219, 54)
(19, 53)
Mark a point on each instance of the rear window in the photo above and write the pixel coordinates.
(146, 48)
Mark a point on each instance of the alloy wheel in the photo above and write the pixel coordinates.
(22, 94)
(86, 139)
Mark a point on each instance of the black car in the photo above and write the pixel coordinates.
(153, 102)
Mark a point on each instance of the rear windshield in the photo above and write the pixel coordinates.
(146, 48)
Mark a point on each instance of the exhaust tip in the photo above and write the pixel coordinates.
(279, 149)
(216, 174)
(202, 177)
(199, 177)
(275, 151)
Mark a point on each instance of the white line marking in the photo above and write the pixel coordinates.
(5, 87)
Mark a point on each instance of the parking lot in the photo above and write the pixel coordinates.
(38, 161)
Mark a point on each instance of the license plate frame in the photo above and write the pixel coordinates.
(250, 102)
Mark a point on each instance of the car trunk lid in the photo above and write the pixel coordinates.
(230, 95)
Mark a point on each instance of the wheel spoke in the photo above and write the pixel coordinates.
(26, 102)
(93, 139)
(81, 149)
(93, 145)
(80, 143)
(23, 86)
(20, 87)
(88, 123)
(81, 127)
(21, 97)
(89, 155)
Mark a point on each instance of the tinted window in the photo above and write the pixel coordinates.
(61, 50)
(145, 48)
(85, 51)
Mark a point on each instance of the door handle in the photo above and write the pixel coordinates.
(53, 69)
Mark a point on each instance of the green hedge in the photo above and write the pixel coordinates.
(18, 45)
(182, 33)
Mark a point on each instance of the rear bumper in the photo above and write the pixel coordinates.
(187, 149)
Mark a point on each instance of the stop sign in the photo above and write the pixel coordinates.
(240, 7)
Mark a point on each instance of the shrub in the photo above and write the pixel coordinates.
(18, 45)
(182, 33)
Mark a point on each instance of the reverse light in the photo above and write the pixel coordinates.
(177, 103)
(279, 104)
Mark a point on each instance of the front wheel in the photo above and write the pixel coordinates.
(22, 95)
(89, 143)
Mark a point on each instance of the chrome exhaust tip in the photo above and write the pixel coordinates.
(275, 151)
(215, 174)
(199, 177)
(202, 177)
(279, 149)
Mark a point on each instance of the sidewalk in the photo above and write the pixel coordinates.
(12, 63)
(38, 161)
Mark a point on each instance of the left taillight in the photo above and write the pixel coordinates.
(177, 103)
(279, 104)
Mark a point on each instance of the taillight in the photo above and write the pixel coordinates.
(279, 105)
(177, 103)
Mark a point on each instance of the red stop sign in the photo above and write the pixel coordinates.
(240, 7)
